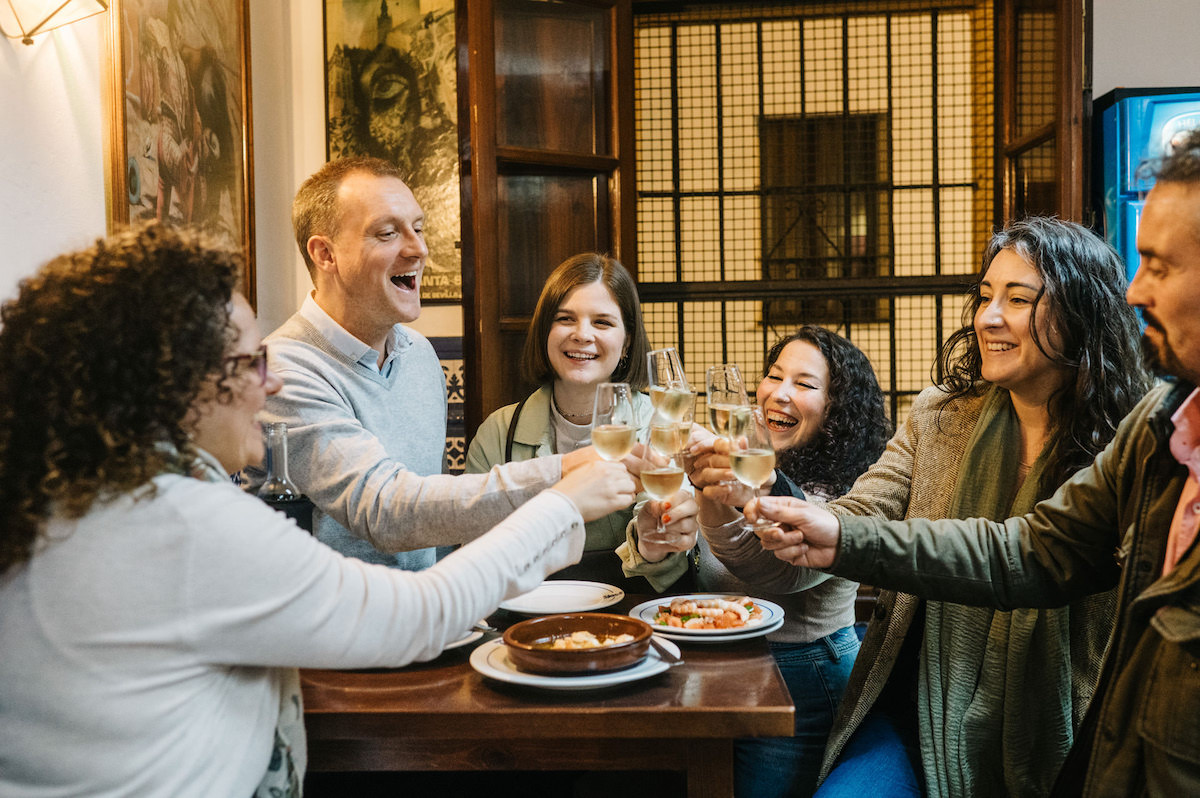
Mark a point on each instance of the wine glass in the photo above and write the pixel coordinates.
(751, 455)
(662, 474)
(686, 458)
(670, 392)
(614, 425)
(726, 390)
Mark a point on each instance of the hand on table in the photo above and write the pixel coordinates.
(598, 488)
(805, 535)
(679, 521)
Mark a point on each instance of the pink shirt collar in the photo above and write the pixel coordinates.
(1185, 440)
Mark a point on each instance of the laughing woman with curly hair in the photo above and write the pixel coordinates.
(825, 415)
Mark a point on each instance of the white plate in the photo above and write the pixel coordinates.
(491, 660)
(564, 595)
(745, 634)
(772, 616)
(465, 640)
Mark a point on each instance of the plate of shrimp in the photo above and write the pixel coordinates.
(721, 615)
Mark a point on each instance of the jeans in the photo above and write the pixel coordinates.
(878, 761)
(815, 674)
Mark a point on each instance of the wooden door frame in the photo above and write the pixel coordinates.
(479, 156)
(1066, 129)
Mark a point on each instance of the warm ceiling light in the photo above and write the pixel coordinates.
(31, 17)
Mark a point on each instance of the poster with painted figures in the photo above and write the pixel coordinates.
(390, 93)
(180, 118)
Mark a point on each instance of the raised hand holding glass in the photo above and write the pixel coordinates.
(662, 475)
(751, 455)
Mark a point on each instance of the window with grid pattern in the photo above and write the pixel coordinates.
(822, 163)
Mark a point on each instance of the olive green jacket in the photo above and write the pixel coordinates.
(1107, 526)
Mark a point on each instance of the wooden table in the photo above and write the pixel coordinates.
(442, 715)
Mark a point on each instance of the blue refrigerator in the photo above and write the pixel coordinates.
(1132, 127)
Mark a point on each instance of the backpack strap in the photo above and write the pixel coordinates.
(512, 430)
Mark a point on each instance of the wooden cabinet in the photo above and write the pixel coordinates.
(546, 140)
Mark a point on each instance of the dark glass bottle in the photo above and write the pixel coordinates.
(278, 490)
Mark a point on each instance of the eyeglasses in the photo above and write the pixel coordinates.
(256, 360)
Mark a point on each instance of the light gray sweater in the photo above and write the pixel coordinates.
(368, 449)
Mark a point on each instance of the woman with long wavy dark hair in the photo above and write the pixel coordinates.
(152, 616)
(824, 412)
(951, 700)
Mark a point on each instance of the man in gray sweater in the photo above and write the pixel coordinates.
(363, 396)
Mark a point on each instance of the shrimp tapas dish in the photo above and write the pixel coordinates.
(730, 612)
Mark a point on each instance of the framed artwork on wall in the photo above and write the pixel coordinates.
(179, 139)
(390, 92)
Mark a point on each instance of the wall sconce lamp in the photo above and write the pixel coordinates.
(31, 17)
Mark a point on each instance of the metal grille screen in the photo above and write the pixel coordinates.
(813, 163)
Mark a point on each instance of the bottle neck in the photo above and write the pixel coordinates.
(276, 453)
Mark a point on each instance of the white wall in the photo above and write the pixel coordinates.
(289, 143)
(52, 159)
(1144, 44)
(51, 142)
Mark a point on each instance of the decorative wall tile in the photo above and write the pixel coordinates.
(450, 354)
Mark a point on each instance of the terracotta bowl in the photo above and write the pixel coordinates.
(528, 643)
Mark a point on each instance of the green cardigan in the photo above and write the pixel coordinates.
(915, 478)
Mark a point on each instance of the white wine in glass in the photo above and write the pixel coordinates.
(726, 390)
(670, 392)
(666, 437)
(752, 466)
(718, 418)
(613, 441)
(663, 483)
(671, 401)
(684, 425)
(751, 456)
(662, 475)
(726, 393)
(614, 427)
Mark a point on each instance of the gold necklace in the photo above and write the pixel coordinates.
(586, 417)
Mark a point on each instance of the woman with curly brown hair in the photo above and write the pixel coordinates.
(152, 616)
(824, 412)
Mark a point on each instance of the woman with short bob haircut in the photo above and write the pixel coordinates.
(152, 615)
(579, 270)
(586, 329)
